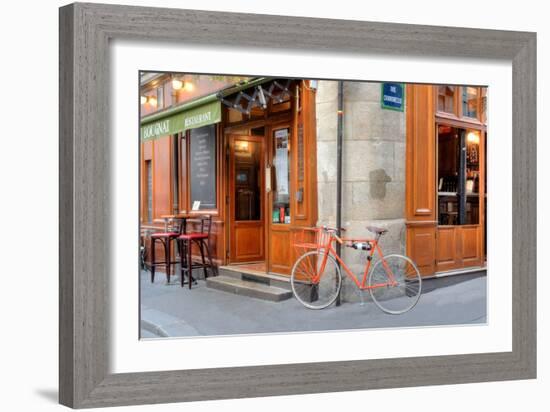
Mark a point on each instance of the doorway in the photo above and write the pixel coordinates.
(279, 210)
(460, 197)
(246, 199)
(259, 199)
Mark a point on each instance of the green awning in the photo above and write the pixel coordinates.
(198, 113)
(191, 115)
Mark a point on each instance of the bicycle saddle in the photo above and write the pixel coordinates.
(377, 230)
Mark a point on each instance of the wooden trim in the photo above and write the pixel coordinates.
(482, 197)
(457, 119)
(184, 177)
(231, 128)
(413, 223)
(460, 123)
(420, 153)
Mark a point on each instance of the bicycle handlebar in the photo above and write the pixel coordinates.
(333, 229)
(334, 233)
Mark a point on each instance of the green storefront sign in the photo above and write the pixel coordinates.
(183, 119)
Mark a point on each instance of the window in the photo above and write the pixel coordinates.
(280, 176)
(247, 180)
(446, 99)
(458, 176)
(472, 176)
(470, 101)
(149, 195)
(160, 97)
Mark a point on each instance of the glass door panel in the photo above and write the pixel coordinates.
(472, 177)
(458, 176)
(448, 172)
(247, 180)
(281, 177)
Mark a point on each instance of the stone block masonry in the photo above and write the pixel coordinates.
(373, 168)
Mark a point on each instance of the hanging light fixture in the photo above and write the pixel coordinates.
(473, 137)
(143, 99)
(152, 100)
(177, 84)
(188, 86)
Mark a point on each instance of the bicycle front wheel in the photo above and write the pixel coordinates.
(395, 284)
(316, 280)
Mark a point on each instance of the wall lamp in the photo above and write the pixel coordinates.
(177, 84)
(152, 100)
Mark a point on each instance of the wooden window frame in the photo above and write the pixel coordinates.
(478, 104)
(454, 113)
(457, 117)
(146, 155)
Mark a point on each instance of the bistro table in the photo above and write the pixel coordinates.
(180, 216)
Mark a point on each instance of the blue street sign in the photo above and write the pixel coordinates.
(393, 96)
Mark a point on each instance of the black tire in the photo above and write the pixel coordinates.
(316, 295)
(404, 294)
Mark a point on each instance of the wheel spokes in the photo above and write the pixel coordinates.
(395, 284)
(316, 280)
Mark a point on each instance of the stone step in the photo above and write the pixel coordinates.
(270, 279)
(248, 288)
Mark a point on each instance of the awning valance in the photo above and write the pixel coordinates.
(201, 112)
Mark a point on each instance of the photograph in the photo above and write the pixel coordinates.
(275, 206)
(288, 205)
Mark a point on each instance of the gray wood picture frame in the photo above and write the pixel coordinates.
(85, 31)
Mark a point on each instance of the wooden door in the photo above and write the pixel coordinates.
(279, 210)
(461, 199)
(246, 199)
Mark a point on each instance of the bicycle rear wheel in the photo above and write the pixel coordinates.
(401, 295)
(316, 280)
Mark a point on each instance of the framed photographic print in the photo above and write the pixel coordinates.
(240, 194)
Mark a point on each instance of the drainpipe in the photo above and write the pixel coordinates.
(339, 140)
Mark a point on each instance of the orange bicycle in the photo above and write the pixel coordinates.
(394, 282)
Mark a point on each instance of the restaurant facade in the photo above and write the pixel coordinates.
(249, 163)
(259, 155)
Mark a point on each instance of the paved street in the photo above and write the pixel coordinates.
(169, 310)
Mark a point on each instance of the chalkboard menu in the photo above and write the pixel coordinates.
(202, 168)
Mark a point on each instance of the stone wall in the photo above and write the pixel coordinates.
(373, 168)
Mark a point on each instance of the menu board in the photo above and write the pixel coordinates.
(202, 168)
